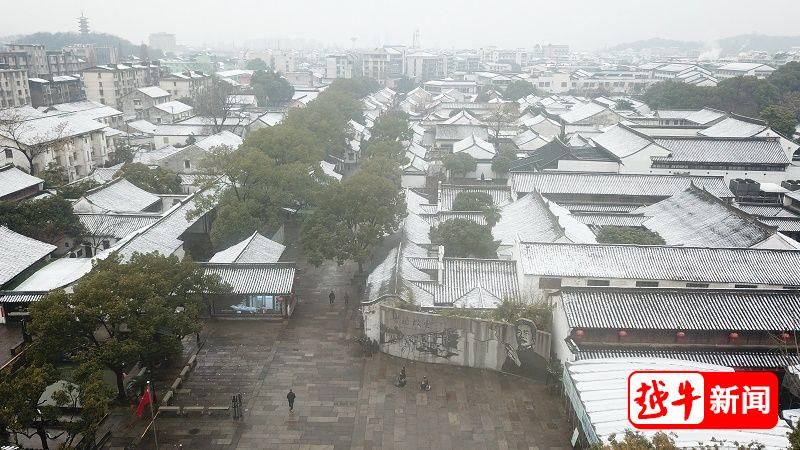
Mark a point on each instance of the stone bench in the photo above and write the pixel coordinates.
(170, 410)
(192, 361)
(167, 398)
(187, 410)
(219, 410)
(176, 384)
(185, 372)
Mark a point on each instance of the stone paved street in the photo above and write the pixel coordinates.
(345, 400)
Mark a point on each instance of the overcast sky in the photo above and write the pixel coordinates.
(583, 24)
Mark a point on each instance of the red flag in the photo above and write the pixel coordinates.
(146, 400)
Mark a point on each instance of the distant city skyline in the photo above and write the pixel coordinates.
(583, 25)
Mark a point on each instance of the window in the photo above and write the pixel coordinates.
(647, 284)
(9, 153)
(697, 285)
(550, 283)
(598, 282)
(106, 243)
(166, 140)
(745, 286)
(187, 164)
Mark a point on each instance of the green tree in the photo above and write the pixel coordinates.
(256, 64)
(54, 176)
(271, 88)
(471, 201)
(794, 437)
(628, 235)
(123, 153)
(503, 160)
(463, 238)
(251, 190)
(384, 149)
(353, 217)
(519, 89)
(286, 144)
(20, 408)
(391, 126)
(404, 85)
(48, 219)
(122, 313)
(460, 163)
(385, 167)
(78, 189)
(623, 105)
(636, 441)
(781, 119)
(157, 180)
(477, 201)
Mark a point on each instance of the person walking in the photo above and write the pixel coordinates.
(346, 298)
(290, 396)
(331, 297)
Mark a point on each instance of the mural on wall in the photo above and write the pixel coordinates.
(521, 357)
(442, 344)
(517, 348)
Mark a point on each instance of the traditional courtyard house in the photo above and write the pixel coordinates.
(743, 69)
(20, 255)
(543, 126)
(501, 195)
(260, 283)
(758, 158)
(528, 141)
(175, 233)
(556, 155)
(544, 266)
(697, 218)
(590, 114)
(483, 152)
(105, 230)
(742, 329)
(17, 185)
(610, 192)
(119, 195)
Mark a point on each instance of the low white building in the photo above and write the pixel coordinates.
(742, 69)
(483, 152)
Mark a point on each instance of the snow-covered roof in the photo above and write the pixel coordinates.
(254, 249)
(222, 138)
(18, 252)
(14, 180)
(154, 92)
(173, 107)
(58, 274)
(598, 390)
(475, 147)
(119, 195)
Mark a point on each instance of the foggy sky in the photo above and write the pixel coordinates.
(583, 24)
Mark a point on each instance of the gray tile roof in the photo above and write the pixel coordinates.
(18, 252)
(755, 359)
(617, 220)
(121, 195)
(682, 309)
(272, 278)
(498, 277)
(115, 225)
(693, 264)
(598, 207)
(14, 180)
(733, 127)
(784, 224)
(20, 297)
(744, 151)
(164, 236)
(614, 184)
(765, 210)
(254, 249)
(457, 132)
(696, 218)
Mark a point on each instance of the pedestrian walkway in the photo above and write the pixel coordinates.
(345, 400)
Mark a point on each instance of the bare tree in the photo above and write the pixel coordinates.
(21, 133)
(216, 102)
(501, 117)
